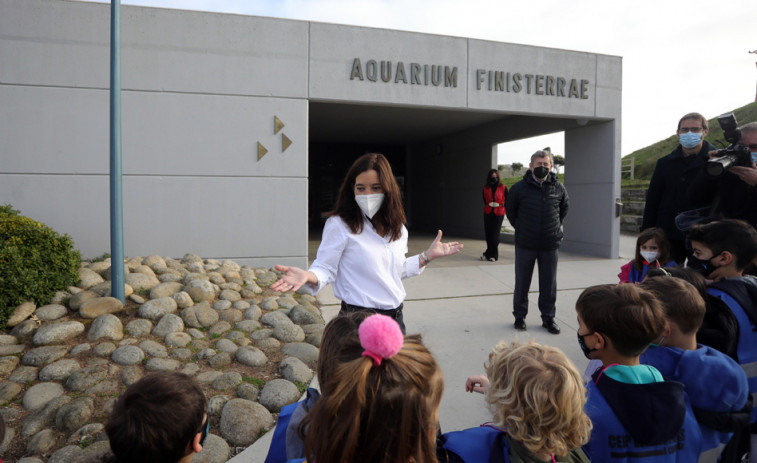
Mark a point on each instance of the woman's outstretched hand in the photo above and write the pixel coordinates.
(293, 280)
(439, 249)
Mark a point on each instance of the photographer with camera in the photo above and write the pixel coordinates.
(729, 180)
(667, 193)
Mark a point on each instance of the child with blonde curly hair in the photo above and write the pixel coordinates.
(537, 401)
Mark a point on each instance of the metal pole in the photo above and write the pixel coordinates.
(116, 190)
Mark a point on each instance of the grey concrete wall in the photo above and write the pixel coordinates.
(200, 91)
(593, 182)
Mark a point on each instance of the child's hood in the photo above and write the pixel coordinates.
(712, 380)
(652, 413)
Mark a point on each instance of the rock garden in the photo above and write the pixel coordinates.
(63, 364)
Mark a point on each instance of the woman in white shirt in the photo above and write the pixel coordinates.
(362, 251)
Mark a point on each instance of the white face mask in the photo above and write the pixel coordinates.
(370, 204)
(649, 256)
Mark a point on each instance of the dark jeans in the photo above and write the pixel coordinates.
(492, 227)
(396, 314)
(524, 269)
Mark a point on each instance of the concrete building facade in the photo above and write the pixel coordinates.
(237, 130)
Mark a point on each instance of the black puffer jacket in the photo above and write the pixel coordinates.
(537, 210)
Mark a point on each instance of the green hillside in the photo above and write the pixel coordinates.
(646, 158)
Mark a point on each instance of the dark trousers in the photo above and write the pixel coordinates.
(492, 227)
(396, 314)
(524, 269)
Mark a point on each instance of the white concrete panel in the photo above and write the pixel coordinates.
(189, 134)
(64, 130)
(53, 130)
(238, 218)
(55, 43)
(546, 67)
(334, 48)
(66, 43)
(185, 51)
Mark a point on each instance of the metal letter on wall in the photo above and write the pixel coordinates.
(286, 142)
(261, 151)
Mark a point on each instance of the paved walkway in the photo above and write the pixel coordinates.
(463, 307)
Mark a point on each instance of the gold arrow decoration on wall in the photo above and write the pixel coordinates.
(277, 125)
(285, 142)
(261, 151)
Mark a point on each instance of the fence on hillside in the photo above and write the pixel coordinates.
(627, 168)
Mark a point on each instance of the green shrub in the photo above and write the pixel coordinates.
(35, 262)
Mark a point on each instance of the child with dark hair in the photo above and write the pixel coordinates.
(340, 344)
(719, 329)
(537, 400)
(652, 251)
(380, 407)
(721, 251)
(714, 382)
(637, 415)
(161, 418)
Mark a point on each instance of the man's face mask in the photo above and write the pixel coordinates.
(541, 172)
(690, 139)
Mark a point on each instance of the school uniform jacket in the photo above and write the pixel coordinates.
(716, 386)
(645, 423)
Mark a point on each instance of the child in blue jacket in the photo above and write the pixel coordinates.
(715, 384)
(536, 396)
(721, 251)
(637, 415)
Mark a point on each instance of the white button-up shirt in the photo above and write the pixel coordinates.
(366, 269)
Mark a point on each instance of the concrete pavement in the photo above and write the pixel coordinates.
(463, 307)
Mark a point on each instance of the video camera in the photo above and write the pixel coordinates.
(735, 154)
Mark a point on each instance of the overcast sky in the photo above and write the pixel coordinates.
(678, 56)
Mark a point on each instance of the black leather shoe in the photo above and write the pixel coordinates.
(551, 326)
(520, 325)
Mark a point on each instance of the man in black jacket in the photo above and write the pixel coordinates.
(673, 174)
(536, 207)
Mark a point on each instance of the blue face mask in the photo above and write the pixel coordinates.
(690, 139)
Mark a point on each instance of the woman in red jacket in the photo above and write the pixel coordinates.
(494, 212)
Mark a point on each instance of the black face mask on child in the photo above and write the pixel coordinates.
(493, 180)
(701, 266)
(582, 344)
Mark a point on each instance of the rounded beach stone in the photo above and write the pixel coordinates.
(139, 328)
(40, 394)
(51, 312)
(106, 326)
(128, 355)
(242, 421)
(59, 371)
(57, 333)
(93, 308)
(21, 313)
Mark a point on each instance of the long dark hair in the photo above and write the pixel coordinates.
(488, 176)
(390, 217)
(378, 413)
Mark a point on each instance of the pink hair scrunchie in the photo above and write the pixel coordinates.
(381, 337)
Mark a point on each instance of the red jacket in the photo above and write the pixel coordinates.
(499, 197)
